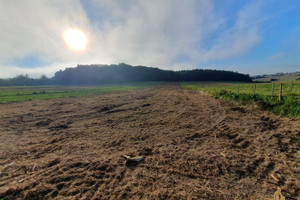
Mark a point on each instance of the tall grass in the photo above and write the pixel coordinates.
(288, 106)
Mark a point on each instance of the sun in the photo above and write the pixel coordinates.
(75, 39)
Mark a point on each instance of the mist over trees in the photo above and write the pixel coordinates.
(123, 73)
(25, 80)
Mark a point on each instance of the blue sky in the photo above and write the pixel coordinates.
(253, 37)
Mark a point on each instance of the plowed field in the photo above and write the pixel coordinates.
(194, 147)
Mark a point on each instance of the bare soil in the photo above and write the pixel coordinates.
(194, 147)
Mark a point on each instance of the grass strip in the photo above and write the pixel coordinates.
(17, 94)
(288, 106)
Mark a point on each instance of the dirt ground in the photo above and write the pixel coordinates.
(194, 147)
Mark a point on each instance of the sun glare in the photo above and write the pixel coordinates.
(75, 39)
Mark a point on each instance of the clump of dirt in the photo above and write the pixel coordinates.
(193, 147)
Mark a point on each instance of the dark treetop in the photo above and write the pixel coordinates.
(123, 73)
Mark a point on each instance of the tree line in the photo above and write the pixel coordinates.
(123, 73)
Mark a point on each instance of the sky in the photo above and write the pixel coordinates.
(249, 36)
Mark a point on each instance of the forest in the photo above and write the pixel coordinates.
(123, 73)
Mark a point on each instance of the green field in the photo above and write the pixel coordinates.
(16, 94)
(261, 88)
(254, 92)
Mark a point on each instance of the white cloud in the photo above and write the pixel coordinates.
(238, 39)
(277, 56)
(35, 27)
(154, 33)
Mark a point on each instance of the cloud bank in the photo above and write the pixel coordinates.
(165, 34)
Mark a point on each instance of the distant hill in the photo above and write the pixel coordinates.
(277, 77)
(123, 73)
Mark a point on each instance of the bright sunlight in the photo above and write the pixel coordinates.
(75, 39)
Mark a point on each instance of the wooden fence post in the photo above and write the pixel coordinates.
(273, 89)
(254, 88)
(291, 89)
(280, 92)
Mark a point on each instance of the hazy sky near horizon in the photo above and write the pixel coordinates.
(249, 36)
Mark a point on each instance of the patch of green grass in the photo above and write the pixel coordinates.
(16, 94)
(288, 106)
